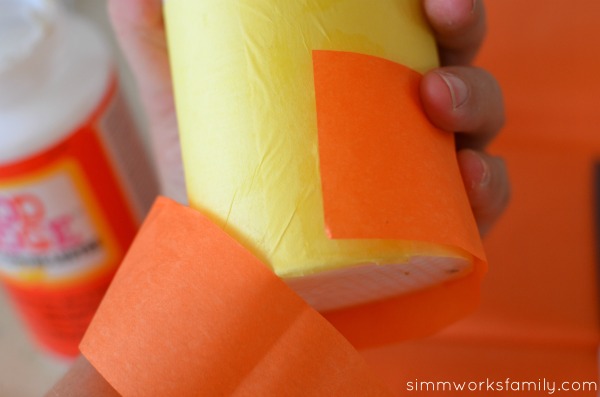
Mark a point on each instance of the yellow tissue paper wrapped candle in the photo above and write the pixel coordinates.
(272, 94)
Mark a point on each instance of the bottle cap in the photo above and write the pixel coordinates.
(24, 24)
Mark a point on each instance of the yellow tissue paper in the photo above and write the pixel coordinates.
(245, 94)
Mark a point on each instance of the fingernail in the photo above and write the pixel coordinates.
(459, 91)
(485, 173)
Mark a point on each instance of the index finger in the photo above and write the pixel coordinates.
(459, 27)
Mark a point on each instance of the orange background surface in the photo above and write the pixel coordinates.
(539, 311)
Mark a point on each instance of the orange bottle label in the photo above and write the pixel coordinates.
(65, 224)
(52, 231)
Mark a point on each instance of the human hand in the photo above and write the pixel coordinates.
(140, 30)
(459, 97)
(473, 105)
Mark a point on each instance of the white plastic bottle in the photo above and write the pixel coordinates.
(74, 178)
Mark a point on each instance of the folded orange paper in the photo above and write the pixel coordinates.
(386, 171)
(193, 313)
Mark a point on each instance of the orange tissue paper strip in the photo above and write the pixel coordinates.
(193, 313)
(386, 171)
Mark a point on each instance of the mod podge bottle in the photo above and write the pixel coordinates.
(74, 178)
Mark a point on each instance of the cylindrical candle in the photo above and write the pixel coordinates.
(245, 95)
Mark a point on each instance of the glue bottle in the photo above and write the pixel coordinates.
(74, 178)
